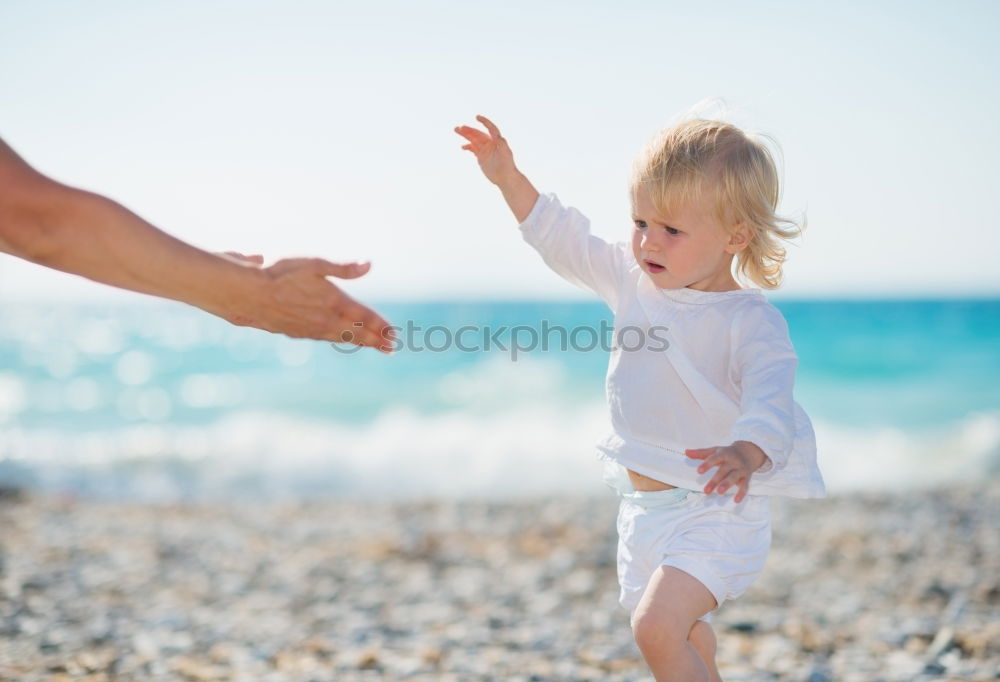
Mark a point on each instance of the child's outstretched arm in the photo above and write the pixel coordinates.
(497, 163)
(560, 235)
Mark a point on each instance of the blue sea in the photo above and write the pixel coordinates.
(159, 402)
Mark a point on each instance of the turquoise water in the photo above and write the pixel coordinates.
(157, 401)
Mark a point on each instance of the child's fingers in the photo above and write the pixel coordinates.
(714, 481)
(699, 453)
(730, 479)
(720, 477)
(712, 459)
(472, 135)
(742, 492)
(469, 147)
(490, 126)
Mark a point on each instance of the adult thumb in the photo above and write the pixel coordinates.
(343, 270)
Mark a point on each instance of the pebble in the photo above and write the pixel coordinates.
(858, 587)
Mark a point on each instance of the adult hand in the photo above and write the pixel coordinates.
(298, 300)
(92, 236)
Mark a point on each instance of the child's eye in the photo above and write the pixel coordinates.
(672, 230)
(640, 224)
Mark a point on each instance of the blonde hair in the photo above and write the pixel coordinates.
(699, 158)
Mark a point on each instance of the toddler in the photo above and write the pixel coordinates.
(700, 378)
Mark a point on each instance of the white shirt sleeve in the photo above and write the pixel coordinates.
(764, 367)
(562, 237)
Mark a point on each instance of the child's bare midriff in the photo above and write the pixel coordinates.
(646, 484)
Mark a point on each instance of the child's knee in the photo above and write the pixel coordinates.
(657, 630)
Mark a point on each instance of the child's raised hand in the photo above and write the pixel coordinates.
(491, 150)
(736, 463)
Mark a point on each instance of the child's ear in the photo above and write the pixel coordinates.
(739, 238)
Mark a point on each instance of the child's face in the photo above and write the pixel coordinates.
(689, 248)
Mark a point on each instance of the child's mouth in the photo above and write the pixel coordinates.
(655, 268)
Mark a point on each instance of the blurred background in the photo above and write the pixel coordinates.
(325, 128)
(209, 498)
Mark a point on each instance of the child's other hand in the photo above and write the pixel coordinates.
(491, 150)
(736, 463)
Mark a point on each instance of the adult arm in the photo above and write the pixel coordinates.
(86, 234)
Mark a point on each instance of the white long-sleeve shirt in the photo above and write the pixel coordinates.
(689, 368)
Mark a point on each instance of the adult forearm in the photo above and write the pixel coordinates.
(92, 236)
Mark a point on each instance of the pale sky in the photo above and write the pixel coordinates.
(325, 128)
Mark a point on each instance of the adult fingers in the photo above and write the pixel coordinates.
(360, 325)
(351, 321)
(341, 270)
(302, 302)
(377, 330)
(358, 334)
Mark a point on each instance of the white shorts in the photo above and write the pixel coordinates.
(722, 544)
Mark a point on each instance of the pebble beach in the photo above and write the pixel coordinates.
(859, 587)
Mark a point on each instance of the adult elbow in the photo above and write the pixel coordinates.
(31, 242)
(32, 224)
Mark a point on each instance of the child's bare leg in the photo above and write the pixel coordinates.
(673, 601)
(702, 638)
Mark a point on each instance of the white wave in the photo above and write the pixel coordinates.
(887, 458)
(515, 452)
(401, 454)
